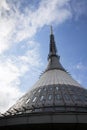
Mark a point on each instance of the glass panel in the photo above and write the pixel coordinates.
(21, 99)
(42, 97)
(27, 100)
(50, 97)
(57, 88)
(39, 90)
(63, 87)
(50, 88)
(34, 92)
(86, 98)
(67, 97)
(34, 99)
(58, 97)
(44, 89)
(75, 97)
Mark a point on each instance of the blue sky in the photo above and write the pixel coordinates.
(24, 42)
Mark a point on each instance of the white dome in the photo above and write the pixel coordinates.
(54, 77)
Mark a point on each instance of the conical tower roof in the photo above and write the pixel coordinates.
(55, 91)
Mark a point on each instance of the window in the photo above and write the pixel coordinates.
(50, 97)
(39, 90)
(34, 92)
(44, 89)
(27, 100)
(42, 97)
(85, 99)
(50, 88)
(63, 87)
(34, 99)
(75, 97)
(20, 100)
(57, 88)
(67, 97)
(58, 97)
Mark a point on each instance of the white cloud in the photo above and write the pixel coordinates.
(4, 5)
(17, 26)
(11, 70)
(6, 27)
(80, 66)
(79, 8)
(9, 82)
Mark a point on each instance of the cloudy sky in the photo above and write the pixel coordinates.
(24, 42)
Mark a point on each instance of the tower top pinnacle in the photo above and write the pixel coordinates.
(53, 48)
(51, 32)
(53, 57)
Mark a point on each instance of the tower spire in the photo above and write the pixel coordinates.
(51, 29)
(52, 49)
(53, 57)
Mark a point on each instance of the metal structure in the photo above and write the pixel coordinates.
(55, 98)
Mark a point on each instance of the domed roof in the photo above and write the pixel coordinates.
(55, 91)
